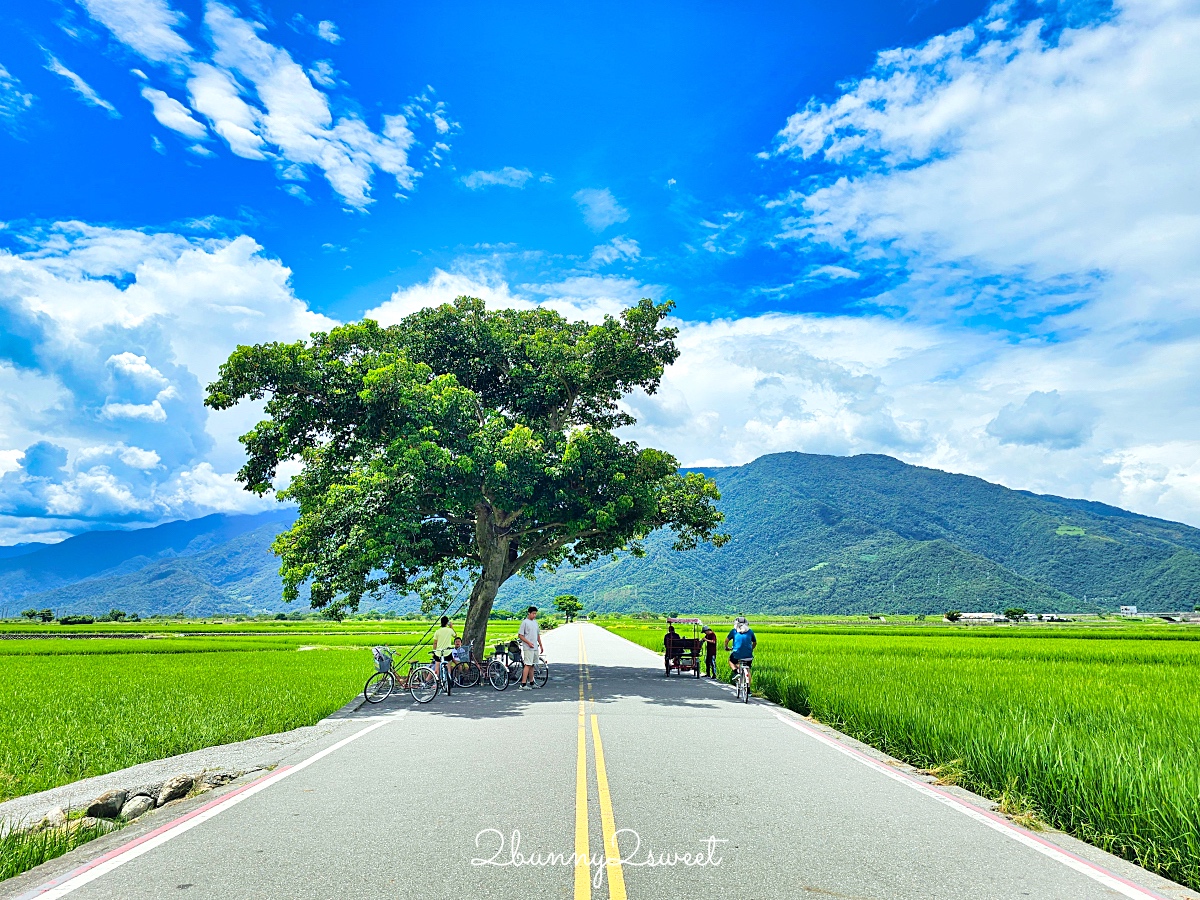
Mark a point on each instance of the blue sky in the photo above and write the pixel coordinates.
(958, 233)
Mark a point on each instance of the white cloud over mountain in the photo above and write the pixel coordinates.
(111, 336)
(1030, 192)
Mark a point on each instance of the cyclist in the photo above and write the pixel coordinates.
(744, 642)
(443, 645)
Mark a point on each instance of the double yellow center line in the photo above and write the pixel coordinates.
(612, 855)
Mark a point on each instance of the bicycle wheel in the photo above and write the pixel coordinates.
(423, 684)
(541, 673)
(379, 687)
(461, 675)
(514, 671)
(498, 674)
(745, 685)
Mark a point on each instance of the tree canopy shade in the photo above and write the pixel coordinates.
(462, 443)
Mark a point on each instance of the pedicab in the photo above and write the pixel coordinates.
(684, 653)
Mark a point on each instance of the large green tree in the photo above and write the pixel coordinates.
(462, 445)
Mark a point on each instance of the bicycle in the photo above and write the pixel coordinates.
(381, 684)
(469, 672)
(742, 681)
(504, 670)
(424, 683)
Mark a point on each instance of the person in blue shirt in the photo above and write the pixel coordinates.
(743, 643)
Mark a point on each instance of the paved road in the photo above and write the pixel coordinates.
(411, 803)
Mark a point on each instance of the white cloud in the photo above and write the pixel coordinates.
(138, 458)
(13, 101)
(296, 117)
(1046, 418)
(264, 105)
(506, 177)
(146, 26)
(619, 247)
(96, 494)
(600, 208)
(127, 328)
(215, 95)
(327, 31)
(173, 114)
(1006, 153)
(833, 272)
(150, 412)
(81, 87)
(1031, 195)
(323, 73)
(588, 297)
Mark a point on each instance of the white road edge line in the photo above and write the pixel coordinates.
(51, 891)
(991, 820)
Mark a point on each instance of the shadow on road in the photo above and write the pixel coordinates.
(684, 695)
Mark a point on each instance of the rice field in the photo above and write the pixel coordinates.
(1095, 733)
(78, 706)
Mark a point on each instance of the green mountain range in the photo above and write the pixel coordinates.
(810, 534)
(870, 534)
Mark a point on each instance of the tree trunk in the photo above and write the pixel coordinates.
(483, 595)
(494, 552)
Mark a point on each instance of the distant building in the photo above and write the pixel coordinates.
(981, 618)
(1129, 611)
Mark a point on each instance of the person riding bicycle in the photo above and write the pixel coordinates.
(742, 651)
(443, 645)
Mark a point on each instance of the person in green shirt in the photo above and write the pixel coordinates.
(443, 644)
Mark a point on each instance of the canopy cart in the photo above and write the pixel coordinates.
(683, 654)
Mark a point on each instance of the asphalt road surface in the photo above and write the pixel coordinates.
(612, 781)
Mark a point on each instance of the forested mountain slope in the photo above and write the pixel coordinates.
(826, 534)
(811, 534)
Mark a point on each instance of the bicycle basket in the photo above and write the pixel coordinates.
(383, 659)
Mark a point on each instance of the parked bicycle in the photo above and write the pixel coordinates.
(467, 672)
(425, 680)
(381, 684)
(506, 665)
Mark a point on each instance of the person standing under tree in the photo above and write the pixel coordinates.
(530, 636)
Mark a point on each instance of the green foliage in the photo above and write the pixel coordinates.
(30, 614)
(20, 851)
(1097, 735)
(568, 605)
(953, 615)
(1013, 613)
(462, 444)
(76, 620)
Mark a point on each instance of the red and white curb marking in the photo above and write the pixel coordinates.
(992, 820)
(114, 859)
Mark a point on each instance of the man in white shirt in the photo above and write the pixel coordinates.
(530, 637)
